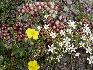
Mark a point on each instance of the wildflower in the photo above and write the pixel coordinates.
(33, 65)
(89, 60)
(82, 44)
(69, 31)
(46, 16)
(59, 57)
(53, 35)
(51, 48)
(32, 33)
(72, 24)
(46, 26)
(86, 29)
(62, 32)
(39, 28)
(66, 41)
(83, 37)
(77, 54)
(88, 50)
(70, 48)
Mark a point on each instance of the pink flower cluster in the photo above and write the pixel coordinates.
(34, 7)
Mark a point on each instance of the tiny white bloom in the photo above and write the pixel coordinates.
(73, 48)
(39, 28)
(53, 35)
(83, 37)
(77, 54)
(86, 29)
(62, 32)
(82, 44)
(46, 26)
(71, 24)
(88, 50)
(60, 44)
(59, 57)
(89, 60)
(51, 48)
(66, 41)
(46, 16)
(69, 31)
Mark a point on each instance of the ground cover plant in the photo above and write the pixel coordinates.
(40, 35)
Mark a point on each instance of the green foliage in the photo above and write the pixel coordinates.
(8, 10)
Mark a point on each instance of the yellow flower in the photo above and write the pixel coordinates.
(33, 65)
(32, 33)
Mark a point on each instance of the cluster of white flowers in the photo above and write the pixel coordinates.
(71, 48)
